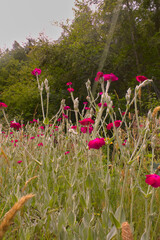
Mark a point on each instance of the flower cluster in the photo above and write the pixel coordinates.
(106, 77)
(36, 71)
(96, 143)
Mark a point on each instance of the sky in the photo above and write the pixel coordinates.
(20, 19)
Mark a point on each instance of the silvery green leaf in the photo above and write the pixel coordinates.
(112, 233)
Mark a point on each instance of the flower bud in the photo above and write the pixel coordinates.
(88, 84)
(76, 104)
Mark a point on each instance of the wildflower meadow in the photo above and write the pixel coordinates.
(89, 173)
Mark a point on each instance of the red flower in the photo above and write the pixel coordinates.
(141, 78)
(123, 113)
(99, 75)
(69, 83)
(117, 123)
(73, 127)
(70, 89)
(86, 121)
(67, 152)
(84, 129)
(110, 76)
(15, 125)
(96, 143)
(36, 71)
(19, 161)
(109, 126)
(66, 107)
(3, 105)
(40, 144)
(153, 180)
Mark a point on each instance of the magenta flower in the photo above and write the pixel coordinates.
(40, 144)
(19, 161)
(123, 113)
(96, 143)
(64, 115)
(66, 107)
(117, 123)
(69, 83)
(100, 93)
(36, 71)
(86, 121)
(59, 119)
(3, 105)
(109, 126)
(67, 152)
(73, 127)
(41, 127)
(110, 76)
(70, 89)
(105, 105)
(99, 75)
(34, 120)
(15, 125)
(99, 104)
(153, 180)
(141, 78)
(87, 108)
(85, 103)
(84, 129)
(32, 138)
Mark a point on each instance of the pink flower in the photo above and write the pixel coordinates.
(117, 123)
(96, 143)
(100, 93)
(15, 125)
(99, 104)
(141, 78)
(16, 140)
(64, 115)
(84, 129)
(11, 133)
(59, 119)
(34, 120)
(70, 89)
(40, 144)
(3, 105)
(32, 138)
(73, 127)
(105, 105)
(86, 121)
(36, 71)
(85, 103)
(19, 161)
(153, 180)
(41, 127)
(99, 75)
(30, 121)
(66, 107)
(69, 83)
(123, 113)
(109, 126)
(87, 108)
(67, 152)
(110, 76)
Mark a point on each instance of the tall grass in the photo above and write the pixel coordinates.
(82, 193)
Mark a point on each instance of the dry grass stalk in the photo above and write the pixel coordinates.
(11, 213)
(157, 109)
(126, 231)
(5, 156)
(28, 182)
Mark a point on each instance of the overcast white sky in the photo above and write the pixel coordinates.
(20, 19)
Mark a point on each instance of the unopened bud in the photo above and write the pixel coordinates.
(76, 104)
(88, 84)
